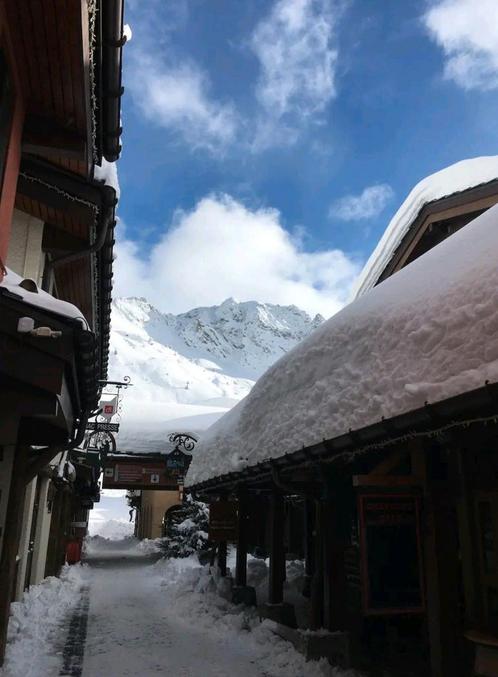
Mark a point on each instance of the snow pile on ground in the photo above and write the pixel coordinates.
(113, 529)
(36, 623)
(101, 546)
(110, 517)
(194, 596)
(425, 334)
(187, 370)
(454, 179)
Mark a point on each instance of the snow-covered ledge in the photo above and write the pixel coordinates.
(29, 292)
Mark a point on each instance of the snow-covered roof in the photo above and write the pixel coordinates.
(425, 334)
(32, 294)
(453, 179)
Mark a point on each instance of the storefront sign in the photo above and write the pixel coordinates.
(223, 521)
(140, 473)
(390, 554)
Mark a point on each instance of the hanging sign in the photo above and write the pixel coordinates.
(390, 554)
(109, 407)
(139, 473)
(223, 521)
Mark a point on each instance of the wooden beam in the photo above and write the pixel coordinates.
(43, 136)
(386, 481)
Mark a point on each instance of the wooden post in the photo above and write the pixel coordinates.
(309, 560)
(468, 546)
(334, 579)
(317, 582)
(441, 574)
(277, 550)
(222, 558)
(11, 539)
(241, 561)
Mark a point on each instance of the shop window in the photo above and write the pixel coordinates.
(390, 554)
(6, 110)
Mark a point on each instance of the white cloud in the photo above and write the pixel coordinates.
(467, 31)
(367, 205)
(178, 98)
(220, 249)
(295, 45)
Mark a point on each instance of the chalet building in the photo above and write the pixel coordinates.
(60, 90)
(369, 452)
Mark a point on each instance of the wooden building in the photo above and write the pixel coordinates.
(60, 89)
(369, 451)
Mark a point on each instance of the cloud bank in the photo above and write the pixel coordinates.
(467, 31)
(221, 249)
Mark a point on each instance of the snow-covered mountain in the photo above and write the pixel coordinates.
(188, 369)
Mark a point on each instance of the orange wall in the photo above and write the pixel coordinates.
(13, 159)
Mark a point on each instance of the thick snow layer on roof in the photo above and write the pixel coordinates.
(453, 179)
(40, 298)
(427, 333)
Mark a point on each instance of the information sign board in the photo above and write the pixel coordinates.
(223, 521)
(391, 554)
(139, 473)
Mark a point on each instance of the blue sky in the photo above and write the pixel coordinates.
(267, 143)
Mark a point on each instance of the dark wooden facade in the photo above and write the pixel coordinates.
(60, 94)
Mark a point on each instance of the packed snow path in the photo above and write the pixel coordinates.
(132, 630)
(126, 611)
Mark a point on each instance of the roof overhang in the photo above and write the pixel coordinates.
(77, 212)
(431, 421)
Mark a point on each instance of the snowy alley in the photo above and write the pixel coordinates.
(127, 612)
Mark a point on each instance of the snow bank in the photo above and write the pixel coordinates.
(454, 179)
(37, 626)
(39, 298)
(113, 529)
(425, 334)
(193, 594)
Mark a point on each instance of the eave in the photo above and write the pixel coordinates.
(426, 422)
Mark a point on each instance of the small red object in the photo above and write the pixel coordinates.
(73, 552)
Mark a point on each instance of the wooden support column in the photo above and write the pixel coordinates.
(317, 582)
(222, 558)
(309, 559)
(468, 536)
(441, 573)
(242, 524)
(334, 579)
(277, 549)
(11, 539)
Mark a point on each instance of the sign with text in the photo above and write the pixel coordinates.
(391, 554)
(223, 521)
(139, 473)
